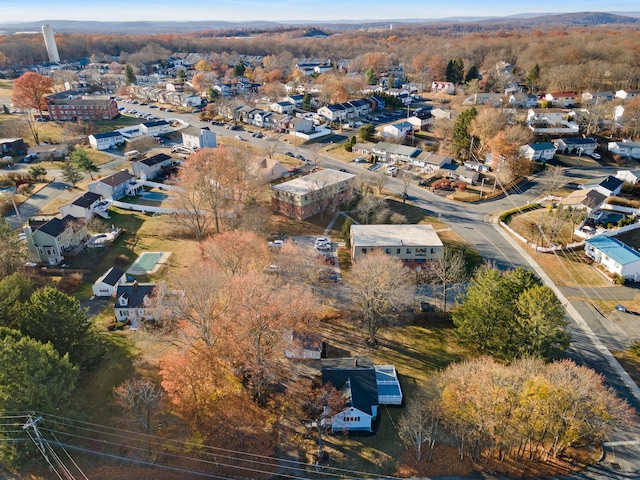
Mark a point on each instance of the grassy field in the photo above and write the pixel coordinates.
(6, 88)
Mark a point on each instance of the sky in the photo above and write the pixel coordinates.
(286, 10)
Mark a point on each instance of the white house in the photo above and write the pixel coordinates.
(443, 87)
(105, 141)
(115, 186)
(430, 161)
(302, 125)
(582, 146)
(414, 244)
(157, 127)
(625, 149)
(629, 176)
(398, 130)
(194, 138)
(364, 386)
(596, 98)
(541, 151)
(608, 186)
(617, 257)
(134, 302)
(627, 95)
(561, 99)
(84, 206)
(282, 107)
(268, 169)
(107, 284)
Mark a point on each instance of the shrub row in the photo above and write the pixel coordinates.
(505, 215)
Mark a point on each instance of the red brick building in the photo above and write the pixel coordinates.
(91, 109)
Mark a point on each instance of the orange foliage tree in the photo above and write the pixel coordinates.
(29, 91)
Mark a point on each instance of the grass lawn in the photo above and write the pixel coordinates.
(141, 233)
(6, 88)
(568, 269)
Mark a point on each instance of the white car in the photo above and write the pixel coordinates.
(323, 247)
(323, 240)
(596, 156)
(276, 243)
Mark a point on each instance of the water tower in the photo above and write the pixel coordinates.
(50, 43)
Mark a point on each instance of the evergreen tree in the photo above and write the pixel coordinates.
(472, 74)
(455, 70)
(53, 316)
(71, 173)
(306, 101)
(367, 132)
(83, 162)
(129, 76)
(460, 135)
(238, 69)
(371, 77)
(533, 78)
(212, 94)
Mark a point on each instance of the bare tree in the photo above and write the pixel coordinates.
(379, 179)
(141, 144)
(271, 147)
(420, 421)
(141, 398)
(405, 179)
(381, 289)
(446, 270)
(553, 177)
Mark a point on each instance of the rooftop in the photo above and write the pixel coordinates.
(393, 235)
(313, 181)
(615, 249)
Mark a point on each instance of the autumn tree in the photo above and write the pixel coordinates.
(195, 379)
(83, 162)
(236, 252)
(214, 185)
(486, 125)
(496, 316)
(319, 404)
(381, 291)
(631, 118)
(505, 148)
(263, 312)
(197, 314)
(29, 91)
(141, 399)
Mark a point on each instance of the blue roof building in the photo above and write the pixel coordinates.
(616, 256)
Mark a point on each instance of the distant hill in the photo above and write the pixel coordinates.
(313, 27)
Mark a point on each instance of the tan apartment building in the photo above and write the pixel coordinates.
(305, 196)
(414, 244)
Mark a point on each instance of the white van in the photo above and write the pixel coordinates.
(131, 155)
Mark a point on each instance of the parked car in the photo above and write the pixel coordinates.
(323, 240)
(238, 137)
(596, 156)
(276, 244)
(324, 247)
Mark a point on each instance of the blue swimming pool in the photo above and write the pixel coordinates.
(154, 196)
(610, 217)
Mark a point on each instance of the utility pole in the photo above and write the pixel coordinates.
(32, 423)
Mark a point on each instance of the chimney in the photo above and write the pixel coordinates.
(355, 362)
(135, 284)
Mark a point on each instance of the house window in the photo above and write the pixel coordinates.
(398, 251)
(408, 250)
(364, 250)
(387, 250)
(433, 250)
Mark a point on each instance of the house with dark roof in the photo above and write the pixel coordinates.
(85, 206)
(50, 241)
(582, 146)
(106, 140)
(157, 127)
(134, 302)
(150, 168)
(607, 186)
(614, 255)
(584, 199)
(116, 186)
(107, 284)
(364, 387)
(540, 151)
